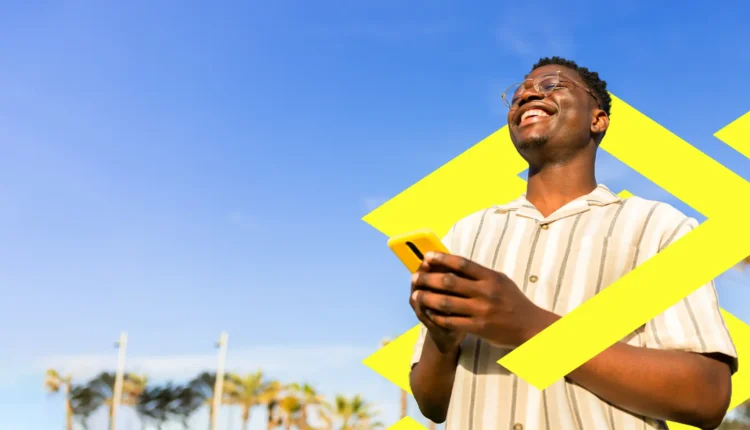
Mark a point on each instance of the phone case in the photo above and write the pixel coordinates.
(411, 247)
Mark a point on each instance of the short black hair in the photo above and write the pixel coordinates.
(592, 80)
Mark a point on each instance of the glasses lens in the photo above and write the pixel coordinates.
(543, 84)
(547, 84)
(510, 96)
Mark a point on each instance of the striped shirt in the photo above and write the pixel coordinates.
(560, 262)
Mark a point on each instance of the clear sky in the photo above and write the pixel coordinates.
(175, 169)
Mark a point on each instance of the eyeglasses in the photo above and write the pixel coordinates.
(544, 84)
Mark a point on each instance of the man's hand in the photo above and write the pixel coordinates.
(456, 295)
(445, 339)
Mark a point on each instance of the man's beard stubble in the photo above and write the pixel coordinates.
(534, 143)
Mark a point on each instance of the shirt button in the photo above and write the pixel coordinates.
(545, 226)
(517, 426)
(533, 278)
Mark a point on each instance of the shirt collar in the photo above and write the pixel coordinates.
(600, 196)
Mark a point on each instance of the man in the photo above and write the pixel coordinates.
(519, 267)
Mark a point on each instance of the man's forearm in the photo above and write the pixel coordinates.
(671, 385)
(432, 380)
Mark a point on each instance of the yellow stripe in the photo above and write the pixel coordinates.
(736, 134)
(683, 267)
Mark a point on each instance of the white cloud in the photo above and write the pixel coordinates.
(280, 361)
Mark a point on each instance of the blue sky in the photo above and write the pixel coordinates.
(181, 168)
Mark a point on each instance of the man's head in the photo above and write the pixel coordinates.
(559, 110)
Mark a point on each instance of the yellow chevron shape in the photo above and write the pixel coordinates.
(736, 134)
(407, 423)
(451, 192)
(695, 259)
(479, 177)
(625, 194)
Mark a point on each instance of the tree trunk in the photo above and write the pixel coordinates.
(68, 408)
(404, 403)
(303, 419)
(245, 417)
(270, 418)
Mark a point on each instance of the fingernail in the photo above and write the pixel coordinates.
(414, 295)
(414, 278)
(429, 256)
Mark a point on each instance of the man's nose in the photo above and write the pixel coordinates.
(528, 94)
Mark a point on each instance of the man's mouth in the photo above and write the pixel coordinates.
(533, 115)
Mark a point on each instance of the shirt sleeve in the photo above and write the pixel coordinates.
(695, 323)
(448, 242)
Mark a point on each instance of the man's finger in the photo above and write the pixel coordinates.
(437, 261)
(446, 283)
(423, 315)
(454, 323)
(446, 304)
(425, 267)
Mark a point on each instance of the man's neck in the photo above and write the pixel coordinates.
(551, 187)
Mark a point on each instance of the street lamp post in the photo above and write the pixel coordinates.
(404, 397)
(219, 384)
(119, 378)
(404, 394)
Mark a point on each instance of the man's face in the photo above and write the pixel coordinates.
(562, 120)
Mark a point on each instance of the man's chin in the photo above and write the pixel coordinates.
(532, 142)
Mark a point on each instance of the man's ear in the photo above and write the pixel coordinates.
(599, 122)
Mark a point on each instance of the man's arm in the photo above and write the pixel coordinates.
(665, 377)
(432, 379)
(672, 385)
(434, 363)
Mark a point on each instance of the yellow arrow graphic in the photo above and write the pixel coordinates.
(451, 192)
(736, 134)
(713, 247)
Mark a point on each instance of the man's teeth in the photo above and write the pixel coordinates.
(533, 112)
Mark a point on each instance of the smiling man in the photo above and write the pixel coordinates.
(518, 267)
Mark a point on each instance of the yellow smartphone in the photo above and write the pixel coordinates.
(411, 247)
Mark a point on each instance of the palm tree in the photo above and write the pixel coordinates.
(54, 382)
(203, 388)
(132, 387)
(308, 397)
(152, 406)
(160, 404)
(84, 401)
(187, 403)
(353, 414)
(274, 418)
(104, 383)
(80, 401)
(250, 391)
(289, 407)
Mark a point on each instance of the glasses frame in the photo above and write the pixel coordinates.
(535, 85)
